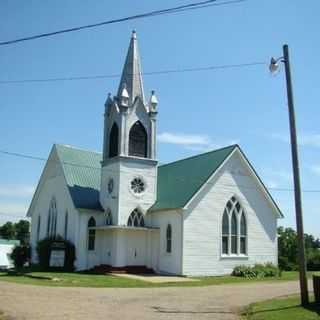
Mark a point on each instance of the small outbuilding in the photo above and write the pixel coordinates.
(6, 247)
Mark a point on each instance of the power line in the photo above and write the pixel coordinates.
(181, 8)
(187, 180)
(167, 71)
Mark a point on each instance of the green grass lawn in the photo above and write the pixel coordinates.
(59, 279)
(286, 308)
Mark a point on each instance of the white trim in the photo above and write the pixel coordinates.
(40, 183)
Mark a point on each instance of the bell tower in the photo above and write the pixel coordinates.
(129, 165)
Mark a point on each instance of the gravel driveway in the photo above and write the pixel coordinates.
(214, 302)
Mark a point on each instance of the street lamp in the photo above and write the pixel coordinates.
(274, 66)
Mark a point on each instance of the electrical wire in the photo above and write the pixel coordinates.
(167, 71)
(172, 10)
(186, 180)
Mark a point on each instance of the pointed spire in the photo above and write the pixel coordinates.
(131, 78)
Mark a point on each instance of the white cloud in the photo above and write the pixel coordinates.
(183, 139)
(13, 211)
(304, 139)
(194, 142)
(271, 184)
(14, 208)
(18, 191)
(280, 137)
(315, 169)
(312, 140)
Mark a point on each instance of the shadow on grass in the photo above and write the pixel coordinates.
(312, 307)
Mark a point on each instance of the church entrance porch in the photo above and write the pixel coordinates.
(125, 248)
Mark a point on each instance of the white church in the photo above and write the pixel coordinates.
(201, 215)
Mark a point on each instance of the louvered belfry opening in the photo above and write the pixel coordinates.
(114, 141)
(138, 141)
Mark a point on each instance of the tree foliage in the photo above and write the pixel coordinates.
(16, 231)
(20, 255)
(288, 250)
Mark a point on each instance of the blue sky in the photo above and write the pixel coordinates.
(197, 111)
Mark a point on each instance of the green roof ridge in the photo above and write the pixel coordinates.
(199, 155)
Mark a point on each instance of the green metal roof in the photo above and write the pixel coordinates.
(82, 171)
(180, 180)
(177, 181)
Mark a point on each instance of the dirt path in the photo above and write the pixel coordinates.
(26, 302)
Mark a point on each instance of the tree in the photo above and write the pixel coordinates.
(22, 232)
(16, 231)
(288, 250)
(7, 231)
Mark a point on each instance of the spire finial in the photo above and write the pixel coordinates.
(132, 74)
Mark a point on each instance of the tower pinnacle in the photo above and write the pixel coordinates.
(131, 74)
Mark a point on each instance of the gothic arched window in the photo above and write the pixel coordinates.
(225, 233)
(138, 141)
(169, 239)
(108, 218)
(234, 233)
(135, 219)
(66, 225)
(114, 141)
(234, 229)
(91, 234)
(243, 234)
(52, 219)
(38, 227)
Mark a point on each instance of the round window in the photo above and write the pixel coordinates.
(137, 185)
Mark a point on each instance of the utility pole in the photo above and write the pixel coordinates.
(297, 188)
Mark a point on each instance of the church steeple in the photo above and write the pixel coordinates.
(129, 148)
(131, 78)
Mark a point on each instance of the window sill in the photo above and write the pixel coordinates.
(234, 257)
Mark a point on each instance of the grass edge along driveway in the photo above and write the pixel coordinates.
(283, 308)
(58, 279)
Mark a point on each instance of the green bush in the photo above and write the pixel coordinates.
(20, 255)
(313, 260)
(256, 271)
(44, 251)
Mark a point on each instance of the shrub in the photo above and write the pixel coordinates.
(44, 248)
(313, 261)
(20, 255)
(256, 271)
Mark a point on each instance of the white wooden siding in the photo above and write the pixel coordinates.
(53, 184)
(169, 262)
(203, 223)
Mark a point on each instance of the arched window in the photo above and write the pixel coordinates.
(114, 141)
(108, 218)
(91, 234)
(48, 223)
(234, 234)
(243, 234)
(169, 239)
(225, 233)
(38, 227)
(138, 141)
(52, 219)
(66, 218)
(136, 219)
